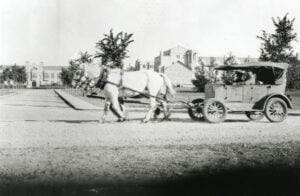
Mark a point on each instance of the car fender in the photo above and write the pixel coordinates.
(281, 96)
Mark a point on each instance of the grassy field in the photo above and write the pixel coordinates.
(225, 169)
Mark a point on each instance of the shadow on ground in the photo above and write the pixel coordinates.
(271, 180)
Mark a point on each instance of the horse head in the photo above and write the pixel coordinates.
(78, 78)
(85, 74)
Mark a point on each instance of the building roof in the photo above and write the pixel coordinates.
(179, 47)
(179, 73)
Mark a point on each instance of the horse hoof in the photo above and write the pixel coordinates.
(145, 121)
(121, 119)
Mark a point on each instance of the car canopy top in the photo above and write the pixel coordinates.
(266, 72)
(253, 66)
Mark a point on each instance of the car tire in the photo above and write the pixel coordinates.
(214, 111)
(196, 112)
(254, 115)
(276, 110)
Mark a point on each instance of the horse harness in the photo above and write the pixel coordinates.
(102, 81)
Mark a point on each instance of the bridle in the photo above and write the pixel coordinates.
(77, 79)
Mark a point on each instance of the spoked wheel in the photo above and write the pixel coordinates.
(196, 112)
(276, 110)
(255, 115)
(214, 111)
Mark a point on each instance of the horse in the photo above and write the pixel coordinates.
(119, 83)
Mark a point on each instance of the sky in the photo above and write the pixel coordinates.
(53, 31)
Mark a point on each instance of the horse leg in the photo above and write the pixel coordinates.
(106, 107)
(83, 92)
(151, 110)
(117, 108)
(166, 109)
(157, 111)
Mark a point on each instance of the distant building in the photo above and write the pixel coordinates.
(39, 74)
(180, 64)
(140, 65)
(188, 58)
(179, 74)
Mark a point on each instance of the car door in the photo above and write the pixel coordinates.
(259, 92)
(234, 93)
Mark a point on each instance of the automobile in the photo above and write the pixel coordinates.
(264, 96)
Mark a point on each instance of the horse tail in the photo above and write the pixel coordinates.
(169, 85)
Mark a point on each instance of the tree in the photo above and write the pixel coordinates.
(277, 47)
(81, 57)
(230, 59)
(113, 48)
(228, 76)
(21, 74)
(67, 74)
(85, 57)
(293, 75)
(200, 80)
(15, 73)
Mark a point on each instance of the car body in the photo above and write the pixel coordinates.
(264, 97)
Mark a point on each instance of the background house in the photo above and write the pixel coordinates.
(39, 74)
(140, 65)
(180, 64)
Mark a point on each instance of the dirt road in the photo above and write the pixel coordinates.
(46, 146)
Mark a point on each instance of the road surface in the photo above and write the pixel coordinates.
(45, 143)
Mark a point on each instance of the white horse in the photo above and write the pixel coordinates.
(118, 83)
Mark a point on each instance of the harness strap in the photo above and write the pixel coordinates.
(121, 77)
(142, 93)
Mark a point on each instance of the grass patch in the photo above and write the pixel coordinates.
(239, 169)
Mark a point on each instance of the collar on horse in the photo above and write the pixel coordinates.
(103, 79)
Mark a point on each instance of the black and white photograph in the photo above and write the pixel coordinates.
(149, 97)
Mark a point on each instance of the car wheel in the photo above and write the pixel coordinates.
(254, 115)
(276, 110)
(214, 111)
(196, 112)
